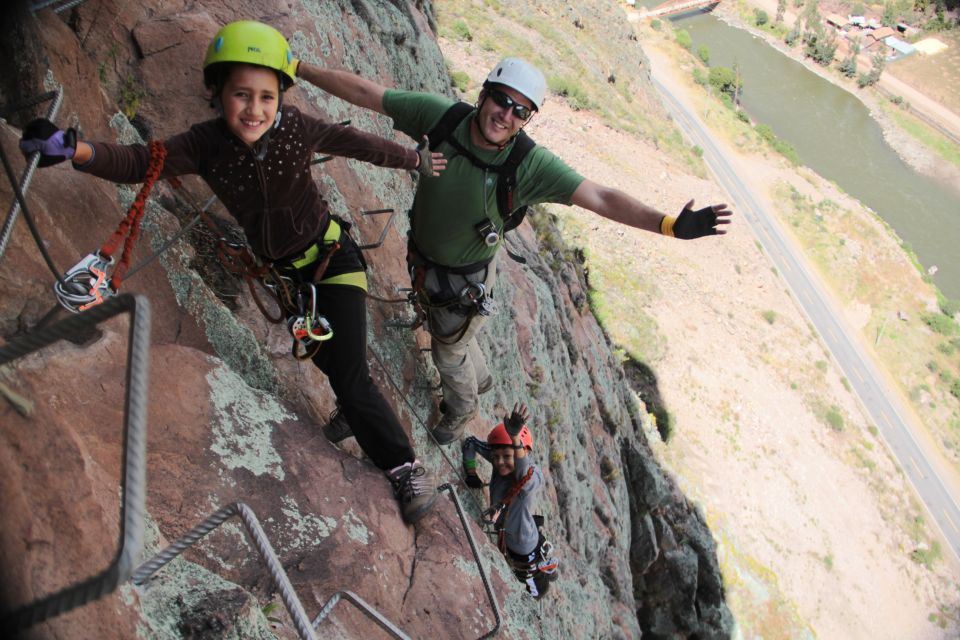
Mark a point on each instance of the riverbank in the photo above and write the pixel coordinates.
(917, 155)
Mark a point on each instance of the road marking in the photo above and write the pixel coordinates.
(950, 520)
(886, 419)
(859, 377)
(917, 467)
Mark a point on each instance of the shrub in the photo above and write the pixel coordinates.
(834, 419)
(949, 307)
(704, 54)
(955, 389)
(940, 323)
(760, 17)
(683, 39)
(656, 25)
(928, 556)
(770, 316)
(699, 76)
(460, 80)
(571, 90)
(792, 36)
(461, 31)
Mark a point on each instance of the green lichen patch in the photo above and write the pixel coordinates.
(242, 424)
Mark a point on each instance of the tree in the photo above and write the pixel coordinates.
(848, 66)
(889, 18)
(820, 45)
(760, 17)
(868, 79)
(684, 39)
(792, 36)
(781, 9)
(724, 80)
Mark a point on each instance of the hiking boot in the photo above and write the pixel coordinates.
(451, 426)
(414, 489)
(482, 388)
(337, 428)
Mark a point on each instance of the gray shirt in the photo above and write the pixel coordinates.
(516, 521)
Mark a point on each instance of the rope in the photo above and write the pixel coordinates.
(413, 411)
(129, 228)
(133, 481)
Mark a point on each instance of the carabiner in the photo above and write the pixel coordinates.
(85, 285)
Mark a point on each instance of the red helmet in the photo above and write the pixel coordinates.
(499, 436)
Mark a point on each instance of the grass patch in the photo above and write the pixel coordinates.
(927, 136)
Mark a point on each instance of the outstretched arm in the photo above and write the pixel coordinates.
(345, 85)
(616, 205)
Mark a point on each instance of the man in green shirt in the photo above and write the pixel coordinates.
(456, 226)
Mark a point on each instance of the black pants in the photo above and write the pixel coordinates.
(344, 360)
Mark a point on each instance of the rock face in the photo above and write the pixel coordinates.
(233, 418)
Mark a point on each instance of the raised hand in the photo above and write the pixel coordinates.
(516, 420)
(697, 223)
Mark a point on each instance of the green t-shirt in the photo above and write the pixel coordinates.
(447, 208)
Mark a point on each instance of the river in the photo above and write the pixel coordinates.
(835, 136)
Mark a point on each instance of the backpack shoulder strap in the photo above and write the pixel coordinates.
(507, 182)
(449, 121)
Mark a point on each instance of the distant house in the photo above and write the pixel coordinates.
(873, 23)
(857, 21)
(837, 22)
(899, 46)
(877, 36)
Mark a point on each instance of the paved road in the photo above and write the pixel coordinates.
(859, 370)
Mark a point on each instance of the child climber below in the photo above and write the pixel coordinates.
(514, 484)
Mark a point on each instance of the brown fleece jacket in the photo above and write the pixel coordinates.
(275, 199)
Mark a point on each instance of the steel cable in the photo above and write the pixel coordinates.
(32, 162)
(133, 481)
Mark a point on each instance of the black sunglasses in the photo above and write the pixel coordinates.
(503, 100)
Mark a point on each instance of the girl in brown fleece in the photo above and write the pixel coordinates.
(256, 158)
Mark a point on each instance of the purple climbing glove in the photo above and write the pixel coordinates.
(54, 145)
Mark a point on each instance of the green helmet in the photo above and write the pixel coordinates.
(249, 42)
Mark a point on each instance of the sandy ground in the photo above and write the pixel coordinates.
(810, 540)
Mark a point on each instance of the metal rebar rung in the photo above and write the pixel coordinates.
(361, 604)
(133, 482)
(269, 556)
(476, 556)
(386, 227)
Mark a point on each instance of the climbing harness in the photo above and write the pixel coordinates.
(308, 328)
(86, 283)
(471, 300)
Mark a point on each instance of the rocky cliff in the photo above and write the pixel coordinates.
(232, 417)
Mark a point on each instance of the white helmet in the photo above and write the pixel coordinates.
(522, 76)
